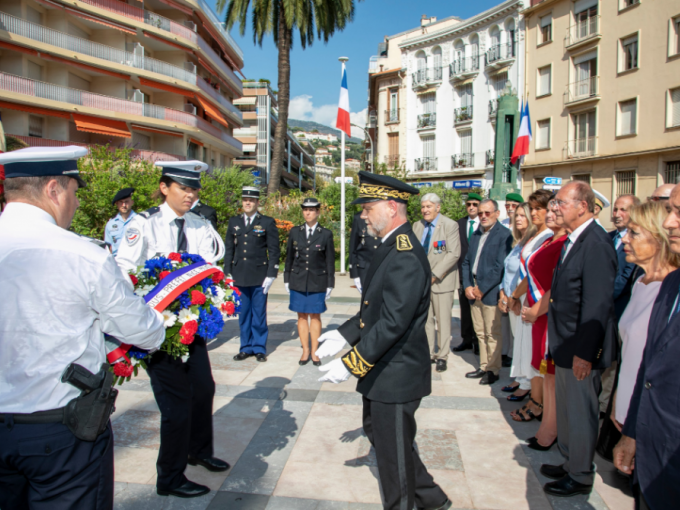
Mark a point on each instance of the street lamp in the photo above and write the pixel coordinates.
(371, 142)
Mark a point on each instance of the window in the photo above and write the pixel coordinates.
(545, 33)
(583, 143)
(627, 116)
(465, 93)
(140, 141)
(625, 183)
(33, 15)
(35, 126)
(581, 177)
(429, 103)
(76, 82)
(674, 37)
(585, 18)
(628, 3)
(543, 134)
(393, 140)
(629, 57)
(34, 71)
(674, 110)
(75, 30)
(437, 66)
(466, 141)
(672, 172)
(543, 85)
(429, 161)
(499, 83)
(585, 74)
(393, 106)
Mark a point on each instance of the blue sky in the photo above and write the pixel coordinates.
(315, 71)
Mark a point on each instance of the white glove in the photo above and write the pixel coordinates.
(332, 342)
(357, 283)
(336, 372)
(328, 292)
(287, 288)
(267, 284)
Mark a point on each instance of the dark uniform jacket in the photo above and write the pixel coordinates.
(207, 212)
(362, 246)
(310, 263)
(626, 275)
(464, 246)
(390, 353)
(252, 253)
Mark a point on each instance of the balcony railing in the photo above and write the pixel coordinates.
(236, 83)
(427, 75)
(490, 157)
(582, 147)
(464, 66)
(462, 114)
(420, 77)
(426, 164)
(493, 108)
(163, 23)
(462, 161)
(392, 116)
(427, 120)
(437, 73)
(207, 88)
(583, 30)
(506, 171)
(499, 52)
(220, 26)
(582, 89)
(392, 160)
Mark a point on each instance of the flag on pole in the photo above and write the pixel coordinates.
(343, 122)
(523, 137)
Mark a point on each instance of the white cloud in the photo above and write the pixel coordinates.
(302, 108)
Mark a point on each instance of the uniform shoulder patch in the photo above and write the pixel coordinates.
(403, 243)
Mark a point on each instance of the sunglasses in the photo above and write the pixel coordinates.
(486, 213)
(472, 204)
(657, 199)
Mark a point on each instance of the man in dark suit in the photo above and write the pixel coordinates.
(650, 439)
(206, 211)
(582, 336)
(390, 354)
(362, 246)
(624, 275)
(483, 270)
(466, 227)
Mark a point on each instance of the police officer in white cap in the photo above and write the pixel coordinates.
(61, 293)
(184, 391)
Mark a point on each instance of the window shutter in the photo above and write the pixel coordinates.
(543, 134)
(627, 119)
(466, 142)
(582, 5)
(546, 20)
(544, 80)
(675, 107)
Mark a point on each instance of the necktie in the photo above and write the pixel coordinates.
(248, 222)
(617, 240)
(471, 229)
(181, 238)
(563, 254)
(309, 232)
(426, 242)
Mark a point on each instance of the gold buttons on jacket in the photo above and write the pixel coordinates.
(366, 303)
(361, 324)
(551, 300)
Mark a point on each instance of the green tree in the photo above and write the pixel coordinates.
(281, 18)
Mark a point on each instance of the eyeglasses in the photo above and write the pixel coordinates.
(657, 199)
(486, 213)
(555, 203)
(472, 204)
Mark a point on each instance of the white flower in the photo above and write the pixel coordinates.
(143, 291)
(184, 358)
(185, 315)
(169, 318)
(218, 298)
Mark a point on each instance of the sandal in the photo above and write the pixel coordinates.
(519, 398)
(510, 388)
(528, 412)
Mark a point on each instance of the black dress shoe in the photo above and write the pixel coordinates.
(433, 361)
(188, 489)
(488, 378)
(242, 355)
(535, 445)
(447, 504)
(261, 357)
(507, 361)
(210, 463)
(303, 362)
(316, 363)
(476, 374)
(441, 365)
(554, 472)
(462, 347)
(566, 487)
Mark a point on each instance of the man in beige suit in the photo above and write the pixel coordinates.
(441, 240)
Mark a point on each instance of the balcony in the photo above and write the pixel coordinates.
(392, 160)
(427, 120)
(464, 68)
(234, 112)
(462, 115)
(392, 116)
(500, 55)
(583, 32)
(426, 165)
(234, 81)
(490, 157)
(582, 91)
(220, 28)
(493, 108)
(581, 147)
(462, 161)
(424, 77)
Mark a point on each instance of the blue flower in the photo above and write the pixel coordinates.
(134, 352)
(184, 299)
(157, 264)
(192, 258)
(210, 323)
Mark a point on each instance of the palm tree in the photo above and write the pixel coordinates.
(281, 18)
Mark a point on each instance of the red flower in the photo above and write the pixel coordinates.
(122, 369)
(238, 292)
(175, 256)
(228, 308)
(197, 297)
(218, 277)
(187, 332)
(163, 274)
(228, 281)
(134, 279)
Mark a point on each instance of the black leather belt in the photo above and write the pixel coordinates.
(51, 416)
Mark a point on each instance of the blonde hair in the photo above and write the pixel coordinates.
(650, 216)
(531, 229)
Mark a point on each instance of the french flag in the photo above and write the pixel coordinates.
(343, 123)
(523, 137)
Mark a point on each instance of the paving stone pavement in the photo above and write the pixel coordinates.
(297, 444)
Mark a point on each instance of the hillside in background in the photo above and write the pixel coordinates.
(309, 126)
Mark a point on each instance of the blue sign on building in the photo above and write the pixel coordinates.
(467, 184)
(421, 184)
(553, 181)
(256, 173)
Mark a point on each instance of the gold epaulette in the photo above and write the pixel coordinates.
(357, 365)
(403, 243)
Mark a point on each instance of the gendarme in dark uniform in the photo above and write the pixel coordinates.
(362, 246)
(390, 355)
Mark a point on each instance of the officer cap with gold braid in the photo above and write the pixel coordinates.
(374, 187)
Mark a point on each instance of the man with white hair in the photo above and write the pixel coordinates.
(441, 240)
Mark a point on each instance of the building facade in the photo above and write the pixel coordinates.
(159, 77)
(259, 108)
(603, 82)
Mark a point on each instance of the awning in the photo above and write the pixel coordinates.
(165, 41)
(21, 49)
(101, 126)
(212, 111)
(156, 130)
(33, 109)
(193, 140)
(249, 147)
(101, 21)
(86, 67)
(426, 91)
(165, 87)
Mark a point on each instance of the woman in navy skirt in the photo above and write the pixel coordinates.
(309, 276)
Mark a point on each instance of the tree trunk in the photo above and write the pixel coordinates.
(281, 132)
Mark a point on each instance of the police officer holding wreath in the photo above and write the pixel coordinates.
(309, 276)
(252, 260)
(61, 294)
(362, 246)
(184, 391)
(389, 354)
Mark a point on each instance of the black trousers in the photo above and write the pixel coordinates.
(391, 429)
(184, 393)
(45, 467)
(467, 329)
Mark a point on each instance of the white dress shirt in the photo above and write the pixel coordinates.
(152, 233)
(573, 237)
(475, 225)
(310, 230)
(61, 293)
(247, 218)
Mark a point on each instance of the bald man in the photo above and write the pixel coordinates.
(663, 192)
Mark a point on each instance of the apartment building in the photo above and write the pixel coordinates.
(259, 108)
(158, 76)
(603, 82)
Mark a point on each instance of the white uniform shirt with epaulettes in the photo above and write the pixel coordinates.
(115, 230)
(155, 231)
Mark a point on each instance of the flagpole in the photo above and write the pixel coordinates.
(342, 189)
